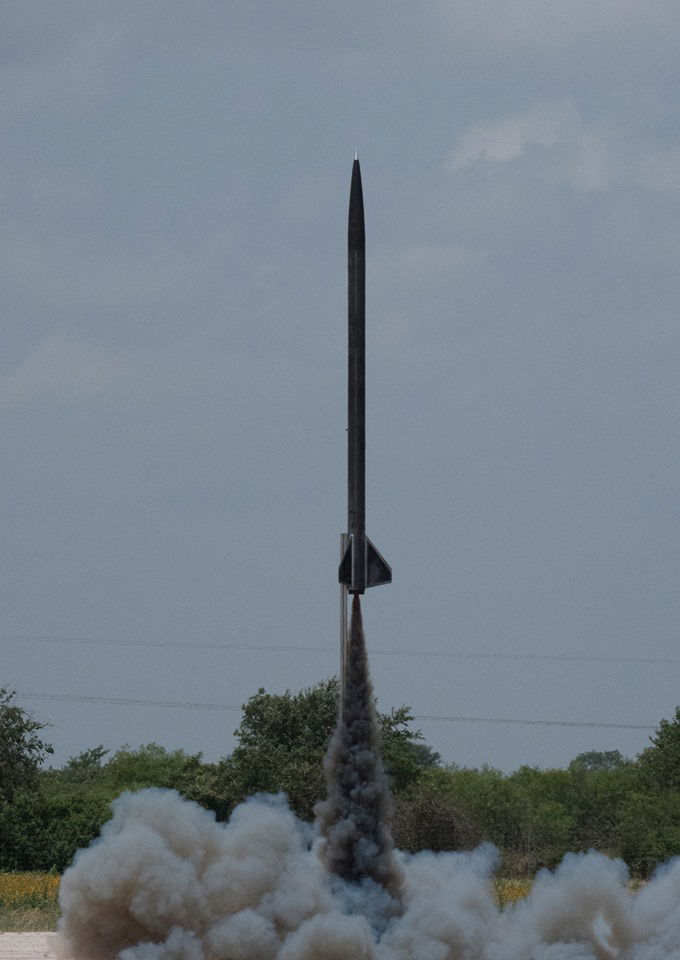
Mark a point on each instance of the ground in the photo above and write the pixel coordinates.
(27, 946)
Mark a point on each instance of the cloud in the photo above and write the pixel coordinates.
(589, 156)
(572, 153)
(59, 368)
(510, 137)
(66, 370)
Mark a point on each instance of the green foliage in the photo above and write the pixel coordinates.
(283, 739)
(601, 801)
(21, 749)
(534, 816)
(404, 756)
(660, 763)
(486, 798)
(427, 817)
(150, 766)
(86, 767)
(543, 816)
(650, 830)
(596, 798)
(599, 760)
(42, 832)
(44, 827)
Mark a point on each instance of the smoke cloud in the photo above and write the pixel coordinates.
(355, 817)
(165, 881)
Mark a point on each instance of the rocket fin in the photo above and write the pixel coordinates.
(345, 570)
(378, 571)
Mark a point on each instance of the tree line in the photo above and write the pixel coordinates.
(603, 801)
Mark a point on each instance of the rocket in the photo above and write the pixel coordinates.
(361, 565)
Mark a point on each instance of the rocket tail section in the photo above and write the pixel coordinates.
(358, 576)
(378, 570)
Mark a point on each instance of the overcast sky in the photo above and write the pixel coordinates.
(174, 179)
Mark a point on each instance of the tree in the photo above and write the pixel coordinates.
(283, 739)
(45, 827)
(660, 763)
(650, 830)
(43, 831)
(404, 756)
(427, 817)
(21, 749)
(599, 760)
(85, 767)
(151, 765)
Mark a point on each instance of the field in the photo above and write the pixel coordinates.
(28, 901)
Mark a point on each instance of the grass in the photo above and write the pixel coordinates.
(28, 919)
(28, 902)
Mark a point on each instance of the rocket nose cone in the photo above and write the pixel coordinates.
(355, 188)
(356, 207)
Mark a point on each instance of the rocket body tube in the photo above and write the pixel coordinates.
(362, 566)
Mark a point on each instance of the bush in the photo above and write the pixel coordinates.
(650, 830)
(43, 833)
(426, 819)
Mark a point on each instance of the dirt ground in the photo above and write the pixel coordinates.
(28, 946)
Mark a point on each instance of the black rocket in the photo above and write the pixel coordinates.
(361, 565)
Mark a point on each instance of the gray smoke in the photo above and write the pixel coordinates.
(355, 817)
(166, 882)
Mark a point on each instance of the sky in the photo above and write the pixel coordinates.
(174, 179)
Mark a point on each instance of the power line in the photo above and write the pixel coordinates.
(190, 644)
(191, 705)
(297, 648)
(540, 723)
(130, 701)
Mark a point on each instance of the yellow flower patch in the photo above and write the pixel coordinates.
(510, 889)
(28, 889)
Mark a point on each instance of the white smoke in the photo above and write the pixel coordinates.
(165, 881)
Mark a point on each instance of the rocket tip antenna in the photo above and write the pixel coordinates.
(356, 154)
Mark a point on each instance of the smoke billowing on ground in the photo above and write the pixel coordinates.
(165, 881)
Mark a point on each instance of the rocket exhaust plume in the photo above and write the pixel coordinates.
(356, 814)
